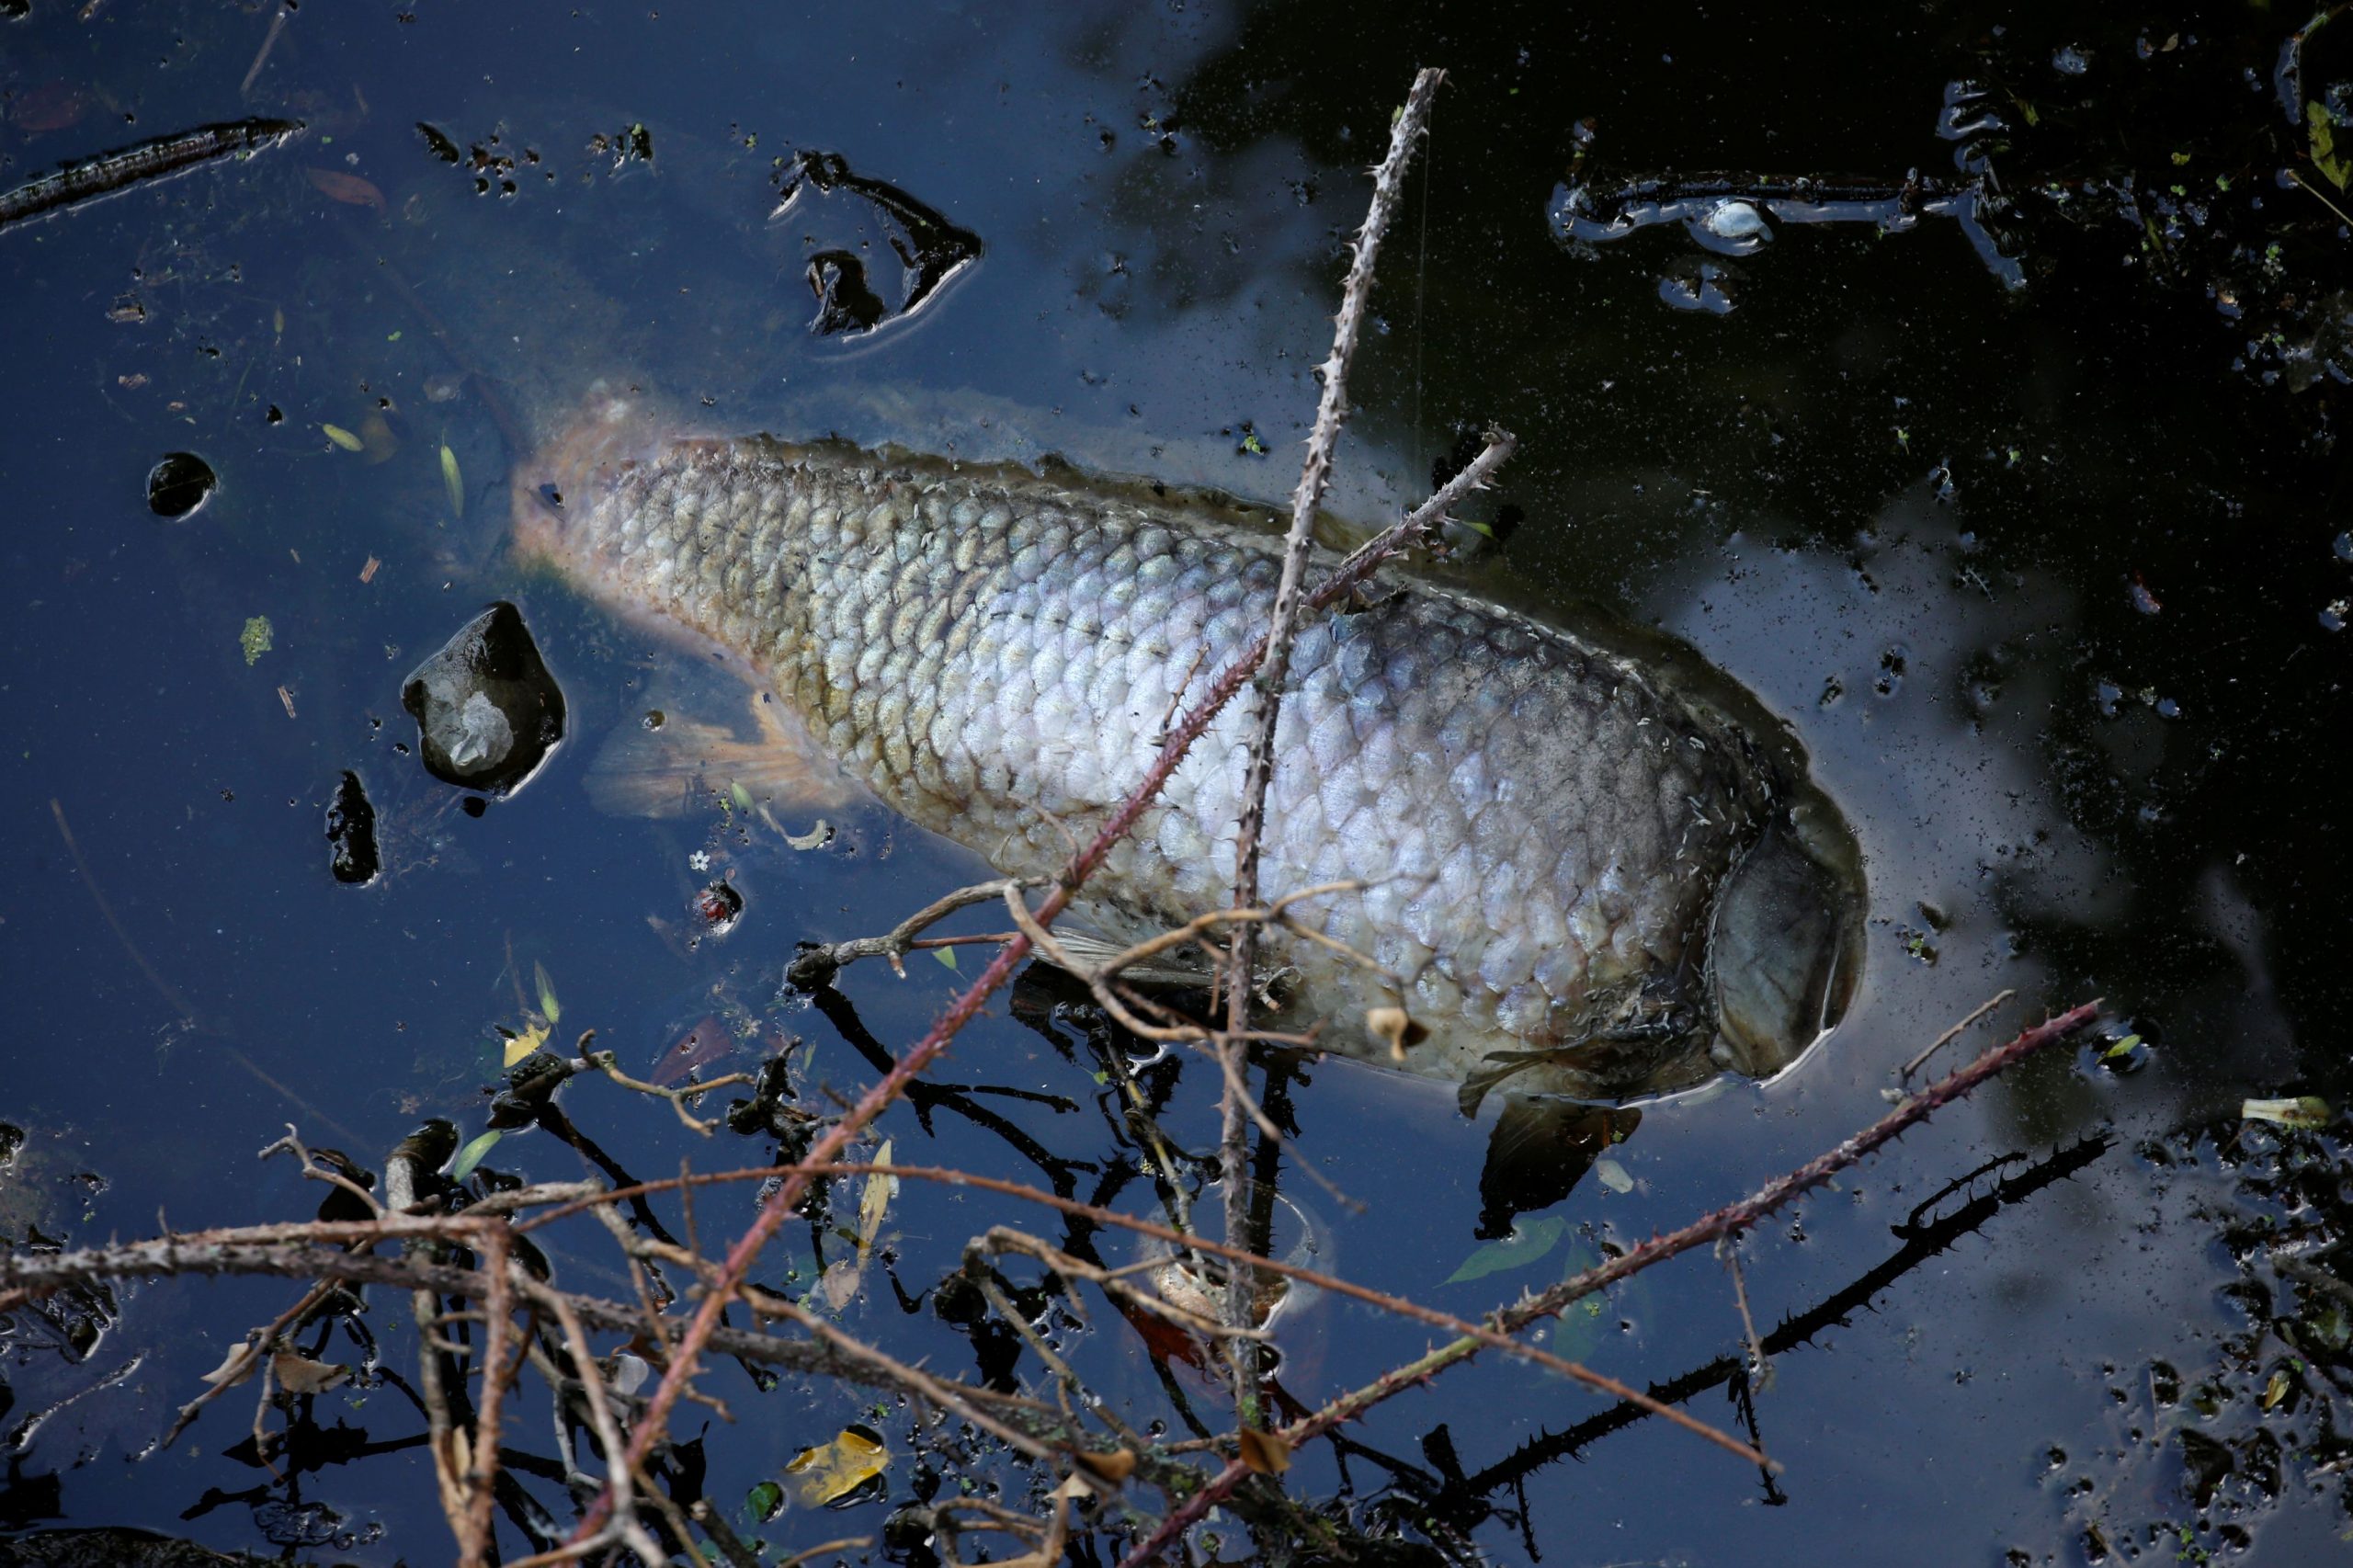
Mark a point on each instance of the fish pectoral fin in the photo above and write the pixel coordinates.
(681, 765)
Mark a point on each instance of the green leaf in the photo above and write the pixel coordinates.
(453, 482)
(945, 955)
(763, 1502)
(2322, 132)
(471, 1156)
(342, 437)
(1523, 1246)
(549, 1007)
(255, 638)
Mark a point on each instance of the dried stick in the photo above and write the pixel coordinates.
(1726, 1221)
(1360, 565)
(1314, 477)
(817, 965)
(1955, 1032)
(1000, 1238)
(608, 1063)
(475, 1540)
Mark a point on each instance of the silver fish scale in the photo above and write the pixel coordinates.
(1539, 827)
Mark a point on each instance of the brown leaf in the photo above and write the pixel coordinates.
(839, 1286)
(1114, 1465)
(1264, 1452)
(349, 190)
(227, 1374)
(299, 1374)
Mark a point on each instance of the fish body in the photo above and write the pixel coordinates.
(1550, 844)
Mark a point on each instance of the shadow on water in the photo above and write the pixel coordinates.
(2031, 535)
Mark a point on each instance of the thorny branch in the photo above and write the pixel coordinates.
(1315, 476)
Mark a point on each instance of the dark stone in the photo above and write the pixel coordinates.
(351, 828)
(180, 484)
(487, 711)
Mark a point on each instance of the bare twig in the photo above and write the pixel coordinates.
(1955, 1032)
(1315, 475)
(817, 965)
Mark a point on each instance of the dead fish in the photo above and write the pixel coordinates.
(1588, 880)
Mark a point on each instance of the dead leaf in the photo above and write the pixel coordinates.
(227, 1374)
(1265, 1453)
(376, 438)
(349, 190)
(1114, 1466)
(367, 573)
(839, 1286)
(297, 1373)
(1396, 1029)
(875, 1202)
(825, 1476)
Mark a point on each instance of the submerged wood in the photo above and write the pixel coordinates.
(158, 157)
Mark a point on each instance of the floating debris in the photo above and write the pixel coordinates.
(487, 711)
(351, 829)
(180, 484)
(255, 640)
(719, 906)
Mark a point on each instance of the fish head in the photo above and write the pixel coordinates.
(580, 458)
(1785, 941)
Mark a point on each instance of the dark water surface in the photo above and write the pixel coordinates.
(2036, 556)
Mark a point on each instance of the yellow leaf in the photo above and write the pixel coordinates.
(457, 486)
(1114, 1465)
(534, 1035)
(1264, 1452)
(548, 1006)
(875, 1202)
(825, 1476)
(343, 438)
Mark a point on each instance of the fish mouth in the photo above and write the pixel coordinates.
(1785, 945)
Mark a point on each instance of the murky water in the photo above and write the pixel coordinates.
(2040, 574)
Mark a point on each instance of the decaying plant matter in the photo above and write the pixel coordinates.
(495, 1269)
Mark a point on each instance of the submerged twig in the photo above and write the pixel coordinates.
(159, 158)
